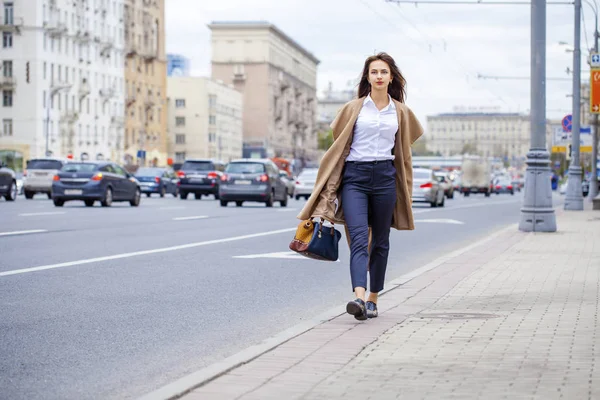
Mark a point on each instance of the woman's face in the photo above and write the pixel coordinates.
(380, 75)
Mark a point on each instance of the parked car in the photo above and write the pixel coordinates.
(8, 183)
(101, 181)
(445, 183)
(305, 183)
(20, 180)
(39, 174)
(200, 177)
(157, 180)
(427, 188)
(251, 179)
(288, 181)
(503, 184)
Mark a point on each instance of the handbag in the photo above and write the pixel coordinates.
(315, 241)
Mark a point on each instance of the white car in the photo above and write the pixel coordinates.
(40, 172)
(305, 183)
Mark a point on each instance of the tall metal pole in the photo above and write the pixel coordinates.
(594, 180)
(537, 214)
(574, 197)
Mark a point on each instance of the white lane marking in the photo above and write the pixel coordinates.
(286, 210)
(42, 213)
(280, 254)
(143, 253)
(172, 208)
(441, 221)
(22, 232)
(188, 218)
(451, 208)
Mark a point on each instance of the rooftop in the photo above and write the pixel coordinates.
(262, 25)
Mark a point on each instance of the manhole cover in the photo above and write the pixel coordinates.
(456, 315)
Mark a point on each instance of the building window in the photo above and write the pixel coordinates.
(180, 156)
(180, 139)
(212, 100)
(9, 12)
(7, 69)
(179, 103)
(212, 120)
(7, 39)
(179, 121)
(7, 98)
(212, 137)
(7, 127)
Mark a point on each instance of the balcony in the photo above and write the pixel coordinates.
(106, 46)
(83, 36)
(107, 94)
(130, 100)
(117, 120)
(12, 26)
(130, 50)
(149, 103)
(149, 56)
(7, 82)
(69, 117)
(55, 29)
(84, 90)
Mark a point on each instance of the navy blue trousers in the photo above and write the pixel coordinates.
(369, 198)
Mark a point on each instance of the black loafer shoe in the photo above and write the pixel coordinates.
(371, 310)
(358, 309)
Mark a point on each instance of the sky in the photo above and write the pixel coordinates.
(443, 50)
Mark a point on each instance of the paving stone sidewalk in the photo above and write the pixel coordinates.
(514, 318)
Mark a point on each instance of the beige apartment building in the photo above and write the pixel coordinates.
(146, 82)
(278, 79)
(205, 119)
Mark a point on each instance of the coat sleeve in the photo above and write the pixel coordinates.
(411, 131)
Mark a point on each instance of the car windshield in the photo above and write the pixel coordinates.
(198, 166)
(245, 168)
(73, 167)
(422, 174)
(44, 164)
(149, 172)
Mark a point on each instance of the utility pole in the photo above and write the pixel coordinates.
(537, 214)
(574, 196)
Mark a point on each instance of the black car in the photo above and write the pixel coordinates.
(102, 181)
(200, 177)
(8, 183)
(255, 180)
(157, 180)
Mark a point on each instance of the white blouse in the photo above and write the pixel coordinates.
(374, 132)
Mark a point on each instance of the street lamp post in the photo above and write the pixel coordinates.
(574, 196)
(53, 91)
(537, 214)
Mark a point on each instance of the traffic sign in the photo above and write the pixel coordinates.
(595, 60)
(595, 91)
(567, 122)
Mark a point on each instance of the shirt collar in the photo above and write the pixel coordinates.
(391, 104)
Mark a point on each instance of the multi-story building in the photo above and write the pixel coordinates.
(330, 104)
(146, 82)
(205, 119)
(62, 78)
(278, 79)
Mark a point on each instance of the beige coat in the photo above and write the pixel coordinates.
(325, 195)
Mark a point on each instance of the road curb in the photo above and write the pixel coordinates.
(199, 378)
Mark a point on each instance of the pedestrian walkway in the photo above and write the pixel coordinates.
(513, 318)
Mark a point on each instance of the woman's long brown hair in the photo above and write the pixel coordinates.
(395, 89)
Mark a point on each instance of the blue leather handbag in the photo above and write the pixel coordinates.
(315, 241)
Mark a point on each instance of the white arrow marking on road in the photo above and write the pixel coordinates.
(281, 254)
(441, 221)
(42, 213)
(188, 218)
(22, 232)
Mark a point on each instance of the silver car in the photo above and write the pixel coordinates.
(305, 183)
(427, 188)
(39, 175)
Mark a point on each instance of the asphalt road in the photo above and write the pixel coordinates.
(113, 303)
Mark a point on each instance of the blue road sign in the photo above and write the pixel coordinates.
(567, 123)
(141, 154)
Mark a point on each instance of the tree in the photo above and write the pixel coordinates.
(325, 139)
(419, 148)
(469, 148)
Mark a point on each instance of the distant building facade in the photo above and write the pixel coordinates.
(278, 79)
(205, 119)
